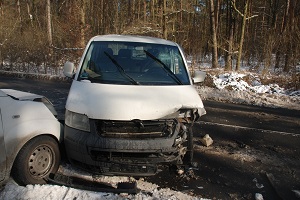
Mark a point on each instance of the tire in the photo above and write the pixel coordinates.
(35, 161)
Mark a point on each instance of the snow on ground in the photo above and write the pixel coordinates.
(232, 87)
(148, 191)
(50, 192)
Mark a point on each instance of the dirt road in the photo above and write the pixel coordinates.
(255, 150)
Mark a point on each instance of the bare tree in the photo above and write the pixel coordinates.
(82, 22)
(49, 26)
(230, 24)
(164, 19)
(245, 17)
(291, 23)
(225, 24)
(20, 16)
(213, 26)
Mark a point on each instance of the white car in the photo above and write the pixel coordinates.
(131, 106)
(30, 135)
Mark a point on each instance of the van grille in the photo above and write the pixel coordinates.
(136, 128)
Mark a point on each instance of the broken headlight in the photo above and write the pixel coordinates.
(77, 121)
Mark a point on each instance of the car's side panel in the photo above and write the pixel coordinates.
(23, 121)
(2, 145)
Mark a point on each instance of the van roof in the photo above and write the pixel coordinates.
(133, 38)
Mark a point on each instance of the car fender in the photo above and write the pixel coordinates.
(24, 120)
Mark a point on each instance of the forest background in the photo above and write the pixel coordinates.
(40, 35)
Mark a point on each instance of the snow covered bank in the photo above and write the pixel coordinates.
(248, 89)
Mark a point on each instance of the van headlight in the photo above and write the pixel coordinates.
(77, 121)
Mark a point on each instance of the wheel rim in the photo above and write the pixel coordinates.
(40, 161)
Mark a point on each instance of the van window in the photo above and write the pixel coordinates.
(133, 63)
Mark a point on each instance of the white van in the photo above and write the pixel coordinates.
(131, 106)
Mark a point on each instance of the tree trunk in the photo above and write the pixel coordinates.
(164, 18)
(20, 16)
(152, 10)
(49, 33)
(29, 13)
(230, 34)
(102, 17)
(139, 10)
(1, 8)
(49, 27)
(145, 11)
(214, 35)
(291, 5)
(82, 22)
(117, 22)
(239, 58)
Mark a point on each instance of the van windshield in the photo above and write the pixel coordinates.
(134, 63)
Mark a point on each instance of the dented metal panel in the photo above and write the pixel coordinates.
(128, 102)
(112, 154)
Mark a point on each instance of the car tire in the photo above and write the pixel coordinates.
(36, 160)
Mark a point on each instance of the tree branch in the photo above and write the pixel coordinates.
(239, 12)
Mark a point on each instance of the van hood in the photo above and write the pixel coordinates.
(128, 102)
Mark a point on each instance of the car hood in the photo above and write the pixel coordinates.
(128, 102)
(21, 95)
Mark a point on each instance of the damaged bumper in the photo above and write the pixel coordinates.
(127, 147)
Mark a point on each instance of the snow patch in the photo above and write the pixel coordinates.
(148, 190)
(231, 87)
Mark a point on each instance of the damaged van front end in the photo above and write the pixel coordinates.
(123, 119)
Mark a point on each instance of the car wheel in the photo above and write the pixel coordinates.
(36, 160)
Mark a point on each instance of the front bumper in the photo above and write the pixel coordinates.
(121, 154)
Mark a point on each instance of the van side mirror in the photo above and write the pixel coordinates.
(199, 76)
(69, 69)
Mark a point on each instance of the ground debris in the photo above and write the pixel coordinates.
(259, 196)
(241, 144)
(258, 185)
(186, 174)
(233, 196)
(297, 193)
(206, 140)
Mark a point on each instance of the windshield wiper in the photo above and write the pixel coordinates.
(165, 67)
(121, 70)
